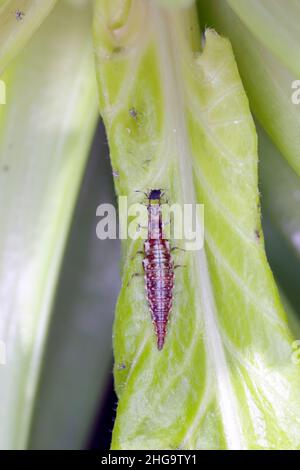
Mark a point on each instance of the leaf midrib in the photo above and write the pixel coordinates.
(174, 112)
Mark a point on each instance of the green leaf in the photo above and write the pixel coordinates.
(276, 24)
(266, 79)
(18, 21)
(224, 379)
(69, 396)
(292, 315)
(280, 187)
(45, 133)
(174, 3)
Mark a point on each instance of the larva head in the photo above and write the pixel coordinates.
(155, 195)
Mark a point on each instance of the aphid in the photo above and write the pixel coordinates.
(257, 234)
(19, 15)
(133, 113)
(159, 268)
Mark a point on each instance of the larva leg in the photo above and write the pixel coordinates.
(139, 227)
(177, 248)
(134, 275)
(139, 252)
(179, 266)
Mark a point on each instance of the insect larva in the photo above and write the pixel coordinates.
(159, 268)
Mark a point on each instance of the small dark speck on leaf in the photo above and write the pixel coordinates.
(146, 162)
(133, 113)
(19, 15)
(5, 167)
(117, 50)
(121, 366)
(203, 39)
(257, 234)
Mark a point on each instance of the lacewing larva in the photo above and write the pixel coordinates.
(158, 267)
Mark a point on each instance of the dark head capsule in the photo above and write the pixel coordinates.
(155, 194)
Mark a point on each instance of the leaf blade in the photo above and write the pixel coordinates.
(266, 79)
(18, 21)
(200, 391)
(46, 129)
(265, 19)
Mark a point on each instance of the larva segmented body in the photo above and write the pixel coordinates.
(159, 269)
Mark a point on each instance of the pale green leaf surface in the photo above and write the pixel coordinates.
(276, 24)
(224, 378)
(19, 19)
(79, 340)
(45, 132)
(174, 3)
(267, 81)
